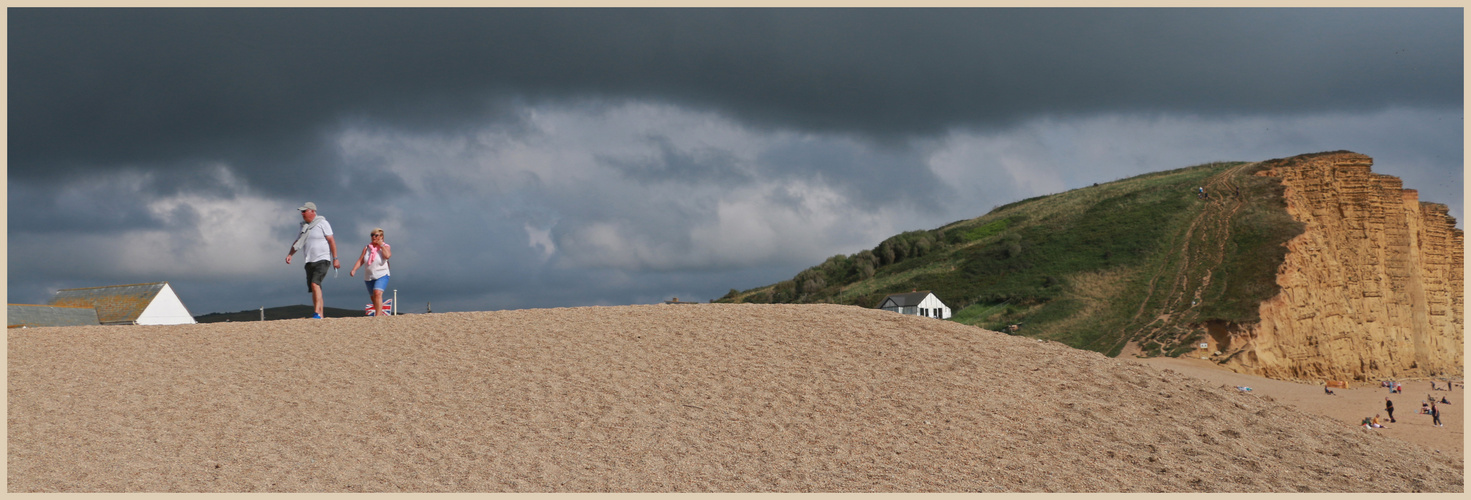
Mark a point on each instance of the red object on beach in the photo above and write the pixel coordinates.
(387, 308)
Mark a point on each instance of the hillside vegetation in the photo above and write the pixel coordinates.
(277, 313)
(1143, 259)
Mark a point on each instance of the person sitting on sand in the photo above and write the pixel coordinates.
(1443, 401)
(1375, 423)
(1327, 391)
(1367, 423)
(1425, 408)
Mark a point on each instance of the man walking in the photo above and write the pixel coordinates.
(319, 250)
(1389, 408)
(1435, 414)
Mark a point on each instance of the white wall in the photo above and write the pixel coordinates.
(931, 302)
(166, 309)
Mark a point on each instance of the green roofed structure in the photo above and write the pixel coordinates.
(140, 304)
(30, 315)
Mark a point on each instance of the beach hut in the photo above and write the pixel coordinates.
(140, 304)
(916, 303)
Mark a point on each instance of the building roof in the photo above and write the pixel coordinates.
(114, 304)
(18, 315)
(905, 299)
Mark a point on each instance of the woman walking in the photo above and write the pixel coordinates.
(374, 260)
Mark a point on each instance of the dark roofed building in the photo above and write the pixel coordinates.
(141, 304)
(29, 315)
(918, 303)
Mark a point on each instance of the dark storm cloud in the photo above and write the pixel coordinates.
(538, 158)
(673, 164)
(875, 175)
(257, 87)
(43, 208)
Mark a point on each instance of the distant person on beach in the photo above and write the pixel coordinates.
(319, 250)
(1435, 414)
(375, 274)
(1443, 401)
(1375, 423)
(1327, 391)
(1389, 408)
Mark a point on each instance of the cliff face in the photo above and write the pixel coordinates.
(1371, 290)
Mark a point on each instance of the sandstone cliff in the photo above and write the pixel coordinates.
(1371, 290)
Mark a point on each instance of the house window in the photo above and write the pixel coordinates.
(924, 312)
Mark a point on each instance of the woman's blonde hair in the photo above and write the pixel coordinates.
(376, 230)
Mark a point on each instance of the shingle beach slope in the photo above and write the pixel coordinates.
(703, 397)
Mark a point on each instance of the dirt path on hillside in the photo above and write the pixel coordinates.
(1203, 247)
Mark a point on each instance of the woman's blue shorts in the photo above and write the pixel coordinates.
(381, 284)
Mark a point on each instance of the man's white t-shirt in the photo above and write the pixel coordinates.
(316, 247)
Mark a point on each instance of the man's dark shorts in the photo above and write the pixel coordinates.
(316, 272)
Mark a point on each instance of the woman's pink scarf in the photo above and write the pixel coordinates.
(372, 254)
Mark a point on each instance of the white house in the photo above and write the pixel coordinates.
(916, 303)
(141, 304)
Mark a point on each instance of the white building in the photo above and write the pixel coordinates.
(916, 303)
(141, 304)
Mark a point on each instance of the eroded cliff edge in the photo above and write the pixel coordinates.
(1371, 290)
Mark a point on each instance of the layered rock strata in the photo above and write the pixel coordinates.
(1371, 290)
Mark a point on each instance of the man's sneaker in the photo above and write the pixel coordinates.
(316, 316)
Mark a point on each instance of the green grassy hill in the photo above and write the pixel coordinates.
(275, 313)
(1143, 259)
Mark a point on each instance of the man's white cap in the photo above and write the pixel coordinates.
(308, 206)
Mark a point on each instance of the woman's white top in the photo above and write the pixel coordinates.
(378, 268)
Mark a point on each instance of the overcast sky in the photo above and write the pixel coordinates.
(569, 157)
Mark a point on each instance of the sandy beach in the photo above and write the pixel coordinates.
(1351, 405)
(676, 398)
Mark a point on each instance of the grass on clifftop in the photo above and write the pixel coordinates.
(1092, 267)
